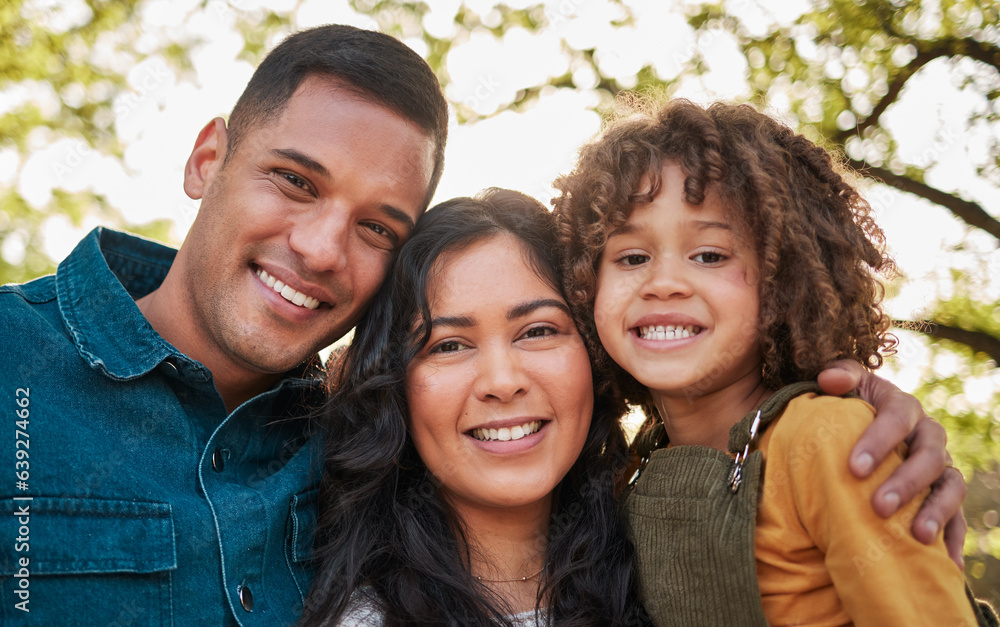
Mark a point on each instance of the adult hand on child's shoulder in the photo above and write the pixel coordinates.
(901, 419)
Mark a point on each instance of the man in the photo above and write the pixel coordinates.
(166, 397)
(160, 399)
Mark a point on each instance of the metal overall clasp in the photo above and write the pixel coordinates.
(736, 474)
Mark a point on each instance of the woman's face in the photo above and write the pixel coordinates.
(501, 396)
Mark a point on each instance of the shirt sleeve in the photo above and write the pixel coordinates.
(881, 573)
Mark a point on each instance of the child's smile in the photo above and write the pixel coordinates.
(667, 332)
(676, 303)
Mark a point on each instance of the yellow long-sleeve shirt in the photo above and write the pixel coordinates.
(823, 556)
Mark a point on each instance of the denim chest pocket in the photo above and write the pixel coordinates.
(102, 562)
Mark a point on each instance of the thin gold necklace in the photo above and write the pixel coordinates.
(515, 580)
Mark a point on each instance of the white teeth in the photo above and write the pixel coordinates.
(668, 332)
(288, 292)
(505, 434)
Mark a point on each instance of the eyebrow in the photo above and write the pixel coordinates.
(462, 322)
(307, 162)
(515, 312)
(398, 215)
(519, 311)
(625, 229)
(703, 225)
(303, 160)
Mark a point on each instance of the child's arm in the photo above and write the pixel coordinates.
(900, 419)
(882, 574)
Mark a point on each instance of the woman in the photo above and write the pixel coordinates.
(475, 475)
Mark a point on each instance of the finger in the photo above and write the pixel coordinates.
(943, 508)
(921, 468)
(954, 538)
(897, 414)
(841, 377)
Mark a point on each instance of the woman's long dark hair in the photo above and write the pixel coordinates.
(382, 527)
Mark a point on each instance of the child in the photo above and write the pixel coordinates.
(725, 262)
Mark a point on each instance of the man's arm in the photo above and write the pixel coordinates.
(901, 419)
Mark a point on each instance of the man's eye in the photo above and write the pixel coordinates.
(380, 236)
(297, 181)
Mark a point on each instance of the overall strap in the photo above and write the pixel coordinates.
(739, 435)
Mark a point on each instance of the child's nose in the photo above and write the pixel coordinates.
(667, 278)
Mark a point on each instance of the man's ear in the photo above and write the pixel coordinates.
(206, 158)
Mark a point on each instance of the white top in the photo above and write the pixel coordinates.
(363, 612)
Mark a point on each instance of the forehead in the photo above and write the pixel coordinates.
(489, 272)
(671, 196)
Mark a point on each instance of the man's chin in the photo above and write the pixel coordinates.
(271, 361)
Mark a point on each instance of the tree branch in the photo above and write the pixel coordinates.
(978, 341)
(972, 213)
(960, 46)
(927, 51)
(890, 97)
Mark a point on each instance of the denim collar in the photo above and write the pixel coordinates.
(97, 285)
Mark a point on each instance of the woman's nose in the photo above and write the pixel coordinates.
(500, 376)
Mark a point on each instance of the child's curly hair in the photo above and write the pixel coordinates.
(819, 249)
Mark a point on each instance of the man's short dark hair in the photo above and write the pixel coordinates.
(375, 65)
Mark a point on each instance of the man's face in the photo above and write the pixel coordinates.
(296, 230)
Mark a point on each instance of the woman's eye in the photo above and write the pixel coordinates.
(539, 332)
(448, 347)
(709, 257)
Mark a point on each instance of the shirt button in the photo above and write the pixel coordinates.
(246, 598)
(219, 459)
(171, 364)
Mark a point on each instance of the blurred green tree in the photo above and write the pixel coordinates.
(56, 87)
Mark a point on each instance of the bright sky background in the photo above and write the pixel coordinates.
(158, 120)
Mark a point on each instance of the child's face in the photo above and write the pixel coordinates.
(676, 303)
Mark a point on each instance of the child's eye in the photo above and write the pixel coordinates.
(633, 260)
(710, 257)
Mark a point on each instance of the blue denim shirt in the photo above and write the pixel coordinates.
(128, 495)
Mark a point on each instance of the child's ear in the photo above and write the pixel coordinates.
(206, 158)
